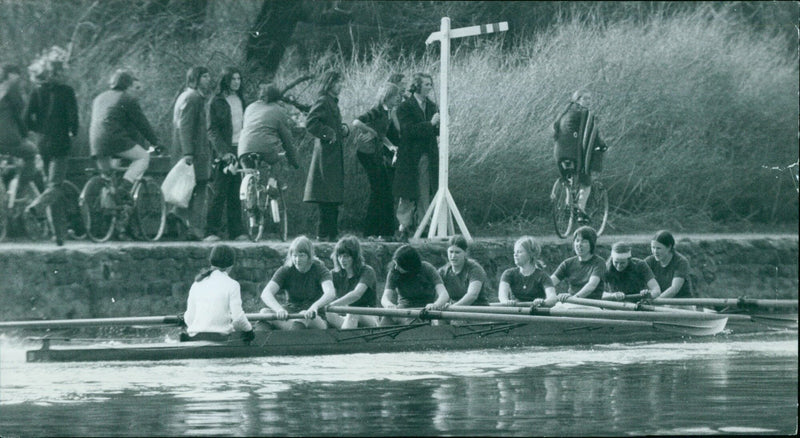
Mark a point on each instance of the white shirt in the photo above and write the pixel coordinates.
(237, 115)
(215, 306)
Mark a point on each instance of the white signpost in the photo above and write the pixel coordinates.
(442, 205)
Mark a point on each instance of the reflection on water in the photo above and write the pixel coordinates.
(723, 388)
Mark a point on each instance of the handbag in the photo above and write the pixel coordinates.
(179, 184)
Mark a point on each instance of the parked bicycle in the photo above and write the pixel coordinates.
(564, 200)
(103, 212)
(262, 196)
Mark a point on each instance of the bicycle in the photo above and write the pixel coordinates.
(564, 201)
(262, 197)
(144, 219)
(14, 200)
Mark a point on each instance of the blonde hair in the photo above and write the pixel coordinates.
(300, 244)
(534, 250)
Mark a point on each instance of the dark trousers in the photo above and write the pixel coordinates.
(379, 218)
(328, 220)
(225, 198)
(53, 194)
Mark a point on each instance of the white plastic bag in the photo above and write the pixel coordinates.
(179, 184)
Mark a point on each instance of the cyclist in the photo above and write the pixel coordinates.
(117, 129)
(575, 131)
(12, 126)
(267, 127)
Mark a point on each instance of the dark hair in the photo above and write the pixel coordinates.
(587, 233)
(221, 257)
(121, 80)
(459, 241)
(665, 238)
(8, 69)
(268, 92)
(416, 81)
(224, 84)
(193, 75)
(407, 258)
(329, 79)
(395, 78)
(348, 245)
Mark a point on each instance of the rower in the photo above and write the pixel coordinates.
(214, 308)
(355, 282)
(670, 268)
(626, 275)
(464, 278)
(527, 281)
(412, 283)
(583, 272)
(308, 285)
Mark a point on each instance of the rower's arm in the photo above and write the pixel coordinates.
(352, 296)
(674, 288)
(550, 295)
(328, 295)
(389, 299)
(473, 290)
(238, 318)
(504, 292)
(589, 287)
(555, 280)
(268, 297)
(442, 297)
(655, 289)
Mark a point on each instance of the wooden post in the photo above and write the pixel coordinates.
(442, 205)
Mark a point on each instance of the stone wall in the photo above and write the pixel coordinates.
(83, 280)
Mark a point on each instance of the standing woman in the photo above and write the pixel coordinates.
(225, 120)
(371, 142)
(53, 112)
(527, 281)
(465, 280)
(585, 271)
(355, 282)
(670, 267)
(308, 284)
(325, 181)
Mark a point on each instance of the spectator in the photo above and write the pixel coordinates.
(12, 126)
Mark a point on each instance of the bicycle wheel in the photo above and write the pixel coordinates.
(72, 211)
(36, 225)
(597, 208)
(277, 213)
(149, 210)
(5, 214)
(98, 209)
(253, 216)
(562, 209)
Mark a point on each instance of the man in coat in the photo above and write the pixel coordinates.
(190, 142)
(416, 170)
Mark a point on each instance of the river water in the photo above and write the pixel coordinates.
(742, 386)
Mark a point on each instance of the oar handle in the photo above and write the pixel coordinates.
(271, 316)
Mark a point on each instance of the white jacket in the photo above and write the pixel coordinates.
(215, 306)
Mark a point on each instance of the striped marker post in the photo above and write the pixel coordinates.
(443, 205)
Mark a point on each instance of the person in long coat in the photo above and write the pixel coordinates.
(190, 142)
(325, 181)
(416, 170)
(52, 111)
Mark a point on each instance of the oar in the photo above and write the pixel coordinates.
(694, 328)
(630, 315)
(123, 321)
(728, 302)
(617, 305)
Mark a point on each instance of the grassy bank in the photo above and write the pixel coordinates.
(693, 107)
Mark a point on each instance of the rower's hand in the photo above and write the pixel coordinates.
(564, 297)
(309, 313)
(645, 294)
(619, 296)
(538, 302)
(434, 306)
(282, 315)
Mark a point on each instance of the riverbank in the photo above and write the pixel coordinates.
(87, 280)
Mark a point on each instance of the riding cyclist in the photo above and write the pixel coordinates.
(267, 128)
(117, 129)
(576, 132)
